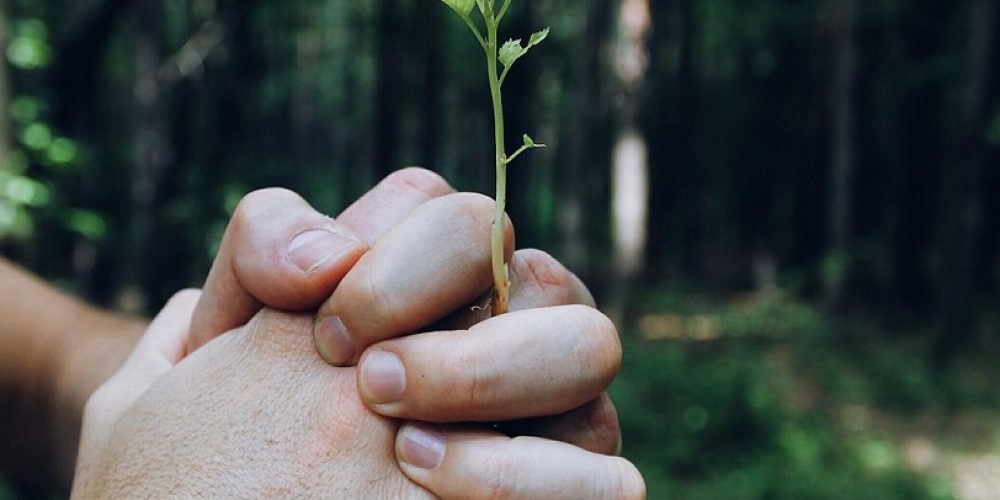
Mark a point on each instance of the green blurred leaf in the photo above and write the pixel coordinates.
(32, 28)
(87, 224)
(62, 152)
(15, 221)
(28, 53)
(37, 136)
(878, 454)
(24, 191)
(25, 109)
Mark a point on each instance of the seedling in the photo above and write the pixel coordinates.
(499, 61)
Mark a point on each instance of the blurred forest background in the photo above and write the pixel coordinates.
(788, 205)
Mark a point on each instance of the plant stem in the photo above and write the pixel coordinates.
(501, 277)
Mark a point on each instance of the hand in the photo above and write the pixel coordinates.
(255, 413)
(434, 262)
(593, 426)
(546, 366)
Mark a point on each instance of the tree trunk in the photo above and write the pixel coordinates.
(630, 161)
(580, 131)
(963, 181)
(75, 72)
(433, 85)
(842, 143)
(387, 105)
(5, 135)
(154, 157)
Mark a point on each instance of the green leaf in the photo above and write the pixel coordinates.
(511, 51)
(528, 141)
(463, 7)
(538, 37)
(87, 224)
(24, 191)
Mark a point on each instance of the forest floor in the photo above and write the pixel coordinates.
(767, 397)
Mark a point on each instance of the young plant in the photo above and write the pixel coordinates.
(499, 60)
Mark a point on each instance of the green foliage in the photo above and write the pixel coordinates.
(28, 49)
(512, 50)
(747, 415)
(735, 113)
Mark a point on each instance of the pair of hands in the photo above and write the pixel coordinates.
(260, 411)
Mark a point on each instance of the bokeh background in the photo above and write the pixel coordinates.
(789, 206)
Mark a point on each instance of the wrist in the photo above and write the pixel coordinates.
(84, 349)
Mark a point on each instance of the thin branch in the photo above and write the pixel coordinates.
(506, 69)
(503, 11)
(510, 159)
(192, 55)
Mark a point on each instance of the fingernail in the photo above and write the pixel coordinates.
(333, 342)
(421, 446)
(312, 249)
(383, 377)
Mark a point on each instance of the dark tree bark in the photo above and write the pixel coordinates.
(842, 144)
(580, 135)
(76, 71)
(387, 104)
(433, 83)
(963, 185)
(5, 137)
(154, 160)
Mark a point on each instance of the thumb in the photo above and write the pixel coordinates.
(277, 251)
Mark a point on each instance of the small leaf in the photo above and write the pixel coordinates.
(528, 141)
(538, 37)
(463, 7)
(511, 51)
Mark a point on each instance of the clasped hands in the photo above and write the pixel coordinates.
(250, 389)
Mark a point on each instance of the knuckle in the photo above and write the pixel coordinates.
(421, 180)
(186, 295)
(547, 273)
(97, 403)
(478, 385)
(474, 207)
(372, 303)
(470, 213)
(258, 203)
(500, 478)
(264, 199)
(280, 333)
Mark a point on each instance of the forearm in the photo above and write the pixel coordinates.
(54, 351)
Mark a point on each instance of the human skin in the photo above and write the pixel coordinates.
(591, 425)
(396, 287)
(54, 351)
(146, 435)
